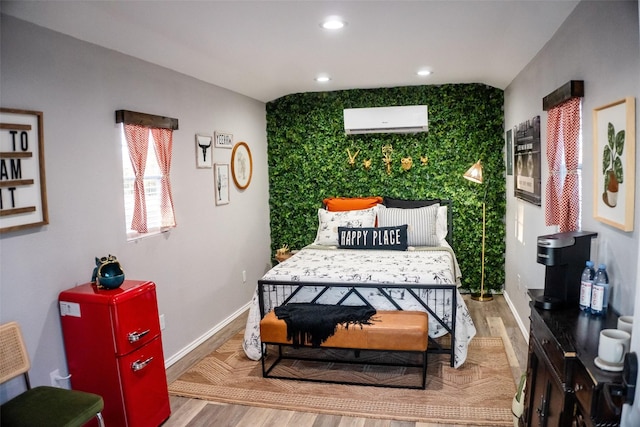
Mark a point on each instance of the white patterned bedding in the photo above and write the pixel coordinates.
(420, 266)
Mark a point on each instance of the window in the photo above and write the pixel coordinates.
(147, 143)
(152, 175)
(564, 153)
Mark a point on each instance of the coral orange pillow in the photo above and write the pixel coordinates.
(338, 204)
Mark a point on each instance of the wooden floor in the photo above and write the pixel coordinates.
(492, 318)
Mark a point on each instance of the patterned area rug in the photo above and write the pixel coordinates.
(478, 393)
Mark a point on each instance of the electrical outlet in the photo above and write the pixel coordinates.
(244, 276)
(58, 380)
(519, 283)
(55, 376)
(162, 324)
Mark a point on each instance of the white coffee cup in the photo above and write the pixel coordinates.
(625, 323)
(613, 345)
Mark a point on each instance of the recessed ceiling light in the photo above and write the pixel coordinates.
(333, 23)
(323, 79)
(424, 72)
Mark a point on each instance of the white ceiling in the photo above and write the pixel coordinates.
(268, 49)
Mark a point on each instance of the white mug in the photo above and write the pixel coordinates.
(625, 323)
(613, 345)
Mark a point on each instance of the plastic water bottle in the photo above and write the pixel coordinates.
(586, 282)
(600, 292)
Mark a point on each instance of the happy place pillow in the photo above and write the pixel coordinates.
(328, 223)
(389, 238)
(421, 222)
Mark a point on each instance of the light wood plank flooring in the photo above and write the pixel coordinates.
(492, 318)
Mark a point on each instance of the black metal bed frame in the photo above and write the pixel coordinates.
(272, 293)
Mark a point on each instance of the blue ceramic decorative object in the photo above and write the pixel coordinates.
(108, 273)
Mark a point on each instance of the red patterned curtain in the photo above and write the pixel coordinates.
(570, 200)
(563, 136)
(138, 143)
(554, 158)
(163, 139)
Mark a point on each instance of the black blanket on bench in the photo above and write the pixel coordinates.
(314, 323)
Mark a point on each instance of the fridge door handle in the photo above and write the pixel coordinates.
(135, 336)
(138, 365)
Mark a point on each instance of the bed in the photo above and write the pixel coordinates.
(403, 270)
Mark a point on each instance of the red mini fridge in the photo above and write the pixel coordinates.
(114, 348)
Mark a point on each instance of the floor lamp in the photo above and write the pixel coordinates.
(474, 174)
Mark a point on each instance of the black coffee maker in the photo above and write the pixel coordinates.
(565, 255)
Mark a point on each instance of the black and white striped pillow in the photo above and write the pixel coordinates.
(421, 222)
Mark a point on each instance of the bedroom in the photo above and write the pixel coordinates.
(79, 85)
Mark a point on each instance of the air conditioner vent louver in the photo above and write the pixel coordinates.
(404, 119)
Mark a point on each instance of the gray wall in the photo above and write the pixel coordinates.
(598, 43)
(197, 267)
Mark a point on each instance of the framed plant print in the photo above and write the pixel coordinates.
(204, 153)
(23, 193)
(223, 140)
(241, 165)
(221, 180)
(614, 163)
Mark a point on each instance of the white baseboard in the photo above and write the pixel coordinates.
(211, 332)
(523, 329)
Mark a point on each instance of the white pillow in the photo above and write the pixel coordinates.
(441, 223)
(330, 221)
(421, 222)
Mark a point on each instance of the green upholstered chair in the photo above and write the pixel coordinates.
(41, 406)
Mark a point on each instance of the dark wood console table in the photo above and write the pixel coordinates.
(564, 387)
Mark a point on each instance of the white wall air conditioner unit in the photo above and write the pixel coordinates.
(405, 119)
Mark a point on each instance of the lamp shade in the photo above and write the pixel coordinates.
(474, 173)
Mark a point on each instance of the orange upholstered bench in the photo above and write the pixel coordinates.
(390, 331)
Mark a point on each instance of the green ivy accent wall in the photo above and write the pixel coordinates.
(308, 161)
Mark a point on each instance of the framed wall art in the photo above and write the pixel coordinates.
(509, 141)
(23, 194)
(223, 140)
(221, 180)
(614, 163)
(527, 157)
(204, 153)
(241, 165)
